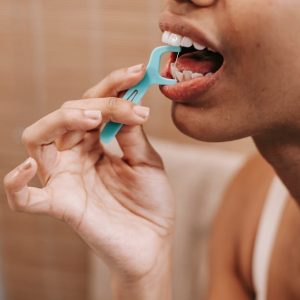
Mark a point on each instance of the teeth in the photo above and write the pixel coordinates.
(196, 75)
(199, 46)
(179, 76)
(178, 40)
(186, 42)
(208, 74)
(185, 75)
(174, 39)
(211, 50)
(173, 70)
(165, 37)
(171, 38)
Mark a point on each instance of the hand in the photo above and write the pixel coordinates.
(122, 207)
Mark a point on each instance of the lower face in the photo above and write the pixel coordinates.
(250, 86)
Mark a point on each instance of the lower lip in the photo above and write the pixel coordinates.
(187, 91)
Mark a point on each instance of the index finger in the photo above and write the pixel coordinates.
(56, 124)
(82, 115)
(116, 82)
(112, 109)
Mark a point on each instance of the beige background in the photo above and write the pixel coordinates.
(51, 51)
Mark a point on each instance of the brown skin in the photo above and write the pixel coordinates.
(252, 97)
(123, 207)
(112, 202)
(232, 243)
(252, 87)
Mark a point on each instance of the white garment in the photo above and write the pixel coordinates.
(266, 235)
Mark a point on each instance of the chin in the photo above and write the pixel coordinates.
(205, 125)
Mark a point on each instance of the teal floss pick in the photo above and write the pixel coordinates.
(136, 93)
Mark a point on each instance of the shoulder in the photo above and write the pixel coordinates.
(236, 222)
(245, 195)
(254, 174)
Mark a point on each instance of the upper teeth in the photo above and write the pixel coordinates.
(174, 39)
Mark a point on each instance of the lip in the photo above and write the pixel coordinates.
(187, 92)
(178, 25)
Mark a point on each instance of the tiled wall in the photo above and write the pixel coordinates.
(51, 51)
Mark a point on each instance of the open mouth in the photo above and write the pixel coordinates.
(195, 61)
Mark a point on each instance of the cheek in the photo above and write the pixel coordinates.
(261, 36)
(263, 55)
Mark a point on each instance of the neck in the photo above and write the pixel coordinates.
(282, 151)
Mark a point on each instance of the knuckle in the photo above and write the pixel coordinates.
(15, 206)
(19, 205)
(67, 115)
(128, 106)
(113, 80)
(112, 104)
(26, 137)
(113, 77)
(117, 107)
(68, 103)
(88, 94)
(63, 112)
(7, 183)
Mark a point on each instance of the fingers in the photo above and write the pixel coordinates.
(113, 109)
(91, 143)
(136, 147)
(69, 140)
(56, 124)
(67, 125)
(117, 82)
(82, 116)
(114, 85)
(20, 196)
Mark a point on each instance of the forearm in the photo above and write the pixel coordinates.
(155, 285)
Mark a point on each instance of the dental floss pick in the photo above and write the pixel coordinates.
(136, 93)
(176, 58)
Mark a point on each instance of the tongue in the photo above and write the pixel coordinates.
(197, 62)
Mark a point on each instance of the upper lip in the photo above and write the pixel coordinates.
(178, 25)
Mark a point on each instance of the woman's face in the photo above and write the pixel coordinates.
(257, 89)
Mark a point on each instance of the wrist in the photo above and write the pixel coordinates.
(155, 284)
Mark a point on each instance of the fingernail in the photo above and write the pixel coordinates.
(141, 111)
(27, 164)
(93, 114)
(136, 69)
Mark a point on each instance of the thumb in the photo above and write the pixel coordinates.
(136, 147)
(20, 196)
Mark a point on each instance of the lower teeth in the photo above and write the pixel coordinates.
(186, 74)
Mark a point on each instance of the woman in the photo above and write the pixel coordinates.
(245, 84)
